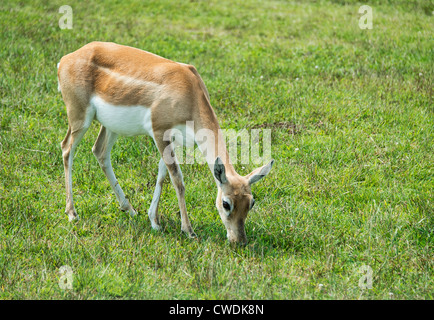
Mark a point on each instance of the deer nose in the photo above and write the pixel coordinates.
(240, 239)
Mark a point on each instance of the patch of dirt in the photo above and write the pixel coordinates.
(291, 127)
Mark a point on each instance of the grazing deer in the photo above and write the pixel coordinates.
(133, 92)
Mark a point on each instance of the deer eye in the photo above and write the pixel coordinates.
(226, 205)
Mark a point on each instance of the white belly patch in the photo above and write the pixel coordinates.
(123, 120)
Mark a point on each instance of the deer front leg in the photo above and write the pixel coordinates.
(153, 209)
(168, 155)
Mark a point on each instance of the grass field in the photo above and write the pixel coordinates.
(351, 114)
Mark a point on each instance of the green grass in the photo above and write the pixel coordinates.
(351, 113)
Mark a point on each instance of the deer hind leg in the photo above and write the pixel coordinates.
(153, 209)
(68, 145)
(168, 155)
(102, 148)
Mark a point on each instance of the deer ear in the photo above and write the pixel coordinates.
(219, 171)
(259, 173)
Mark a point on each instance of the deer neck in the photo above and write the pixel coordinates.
(210, 138)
